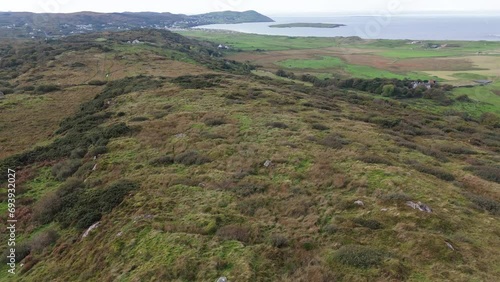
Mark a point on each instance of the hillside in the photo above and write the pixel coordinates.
(190, 166)
(39, 25)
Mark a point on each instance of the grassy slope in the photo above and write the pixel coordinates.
(224, 217)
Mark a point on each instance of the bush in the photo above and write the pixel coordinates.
(398, 198)
(234, 232)
(277, 124)
(191, 158)
(359, 256)
(43, 240)
(335, 141)
(369, 223)
(214, 121)
(117, 130)
(457, 150)
(319, 126)
(439, 173)
(65, 169)
(373, 159)
(45, 209)
(78, 153)
(22, 250)
(98, 150)
(136, 119)
(485, 203)
(163, 160)
(47, 88)
(248, 189)
(490, 173)
(279, 241)
(87, 208)
(97, 82)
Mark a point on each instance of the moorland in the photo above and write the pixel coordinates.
(278, 159)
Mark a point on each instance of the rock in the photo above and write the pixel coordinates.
(92, 227)
(449, 245)
(384, 209)
(359, 203)
(419, 206)
(2, 96)
(95, 167)
(424, 208)
(222, 279)
(180, 135)
(267, 163)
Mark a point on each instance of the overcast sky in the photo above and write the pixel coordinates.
(270, 7)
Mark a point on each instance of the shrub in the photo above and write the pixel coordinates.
(250, 206)
(163, 160)
(97, 82)
(191, 158)
(439, 173)
(87, 208)
(369, 223)
(489, 119)
(214, 121)
(373, 159)
(490, 173)
(277, 124)
(485, 203)
(22, 250)
(234, 232)
(359, 256)
(43, 240)
(98, 150)
(335, 141)
(399, 198)
(65, 169)
(47, 88)
(78, 153)
(456, 150)
(248, 189)
(135, 119)
(330, 229)
(46, 208)
(279, 241)
(29, 88)
(84, 170)
(463, 98)
(116, 130)
(319, 126)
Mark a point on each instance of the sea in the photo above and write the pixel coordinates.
(423, 27)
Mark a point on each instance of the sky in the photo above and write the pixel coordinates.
(268, 7)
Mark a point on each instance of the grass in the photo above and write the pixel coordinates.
(334, 64)
(250, 42)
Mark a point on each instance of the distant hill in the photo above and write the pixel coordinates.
(47, 25)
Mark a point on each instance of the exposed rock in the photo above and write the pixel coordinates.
(222, 279)
(267, 163)
(359, 203)
(2, 96)
(92, 227)
(419, 206)
(449, 245)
